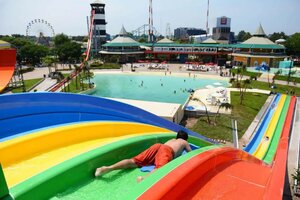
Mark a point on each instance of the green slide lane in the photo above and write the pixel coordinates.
(120, 184)
(74, 178)
(268, 158)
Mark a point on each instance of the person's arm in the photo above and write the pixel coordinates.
(187, 147)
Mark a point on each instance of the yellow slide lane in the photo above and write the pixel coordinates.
(264, 145)
(31, 154)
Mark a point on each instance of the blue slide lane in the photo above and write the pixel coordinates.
(21, 113)
(253, 144)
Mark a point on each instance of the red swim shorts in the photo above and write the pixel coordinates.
(157, 154)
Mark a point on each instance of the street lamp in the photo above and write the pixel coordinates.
(290, 68)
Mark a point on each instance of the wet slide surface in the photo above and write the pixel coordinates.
(64, 185)
(270, 153)
(254, 143)
(265, 143)
(45, 149)
(120, 184)
(222, 173)
(7, 66)
(113, 185)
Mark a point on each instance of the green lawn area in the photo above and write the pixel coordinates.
(247, 73)
(28, 85)
(244, 114)
(105, 66)
(279, 88)
(284, 78)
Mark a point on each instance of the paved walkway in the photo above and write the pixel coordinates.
(44, 85)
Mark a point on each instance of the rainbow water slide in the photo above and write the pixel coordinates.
(272, 147)
(74, 148)
(219, 173)
(268, 135)
(50, 162)
(258, 135)
(22, 113)
(7, 66)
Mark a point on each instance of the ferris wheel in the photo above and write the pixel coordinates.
(40, 28)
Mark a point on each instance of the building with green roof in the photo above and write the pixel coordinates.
(126, 48)
(257, 50)
(252, 52)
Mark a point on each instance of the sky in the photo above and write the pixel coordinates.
(69, 16)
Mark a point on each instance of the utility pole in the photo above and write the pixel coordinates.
(150, 36)
(88, 25)
(207, 16)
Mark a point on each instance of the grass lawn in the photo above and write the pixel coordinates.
(284, 78)
(279, 88)
(105, 66)
(28, 85)
(247, 73)
(244, 114)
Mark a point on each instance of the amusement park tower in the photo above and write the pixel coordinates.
(99, 30)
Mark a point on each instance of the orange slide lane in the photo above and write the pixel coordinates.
(7, 66)
(276, 183)
(222, 173)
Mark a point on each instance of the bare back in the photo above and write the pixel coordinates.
(178, 145)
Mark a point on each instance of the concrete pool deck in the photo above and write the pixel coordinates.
(169, 111)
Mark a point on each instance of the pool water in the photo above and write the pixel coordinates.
(170, 89)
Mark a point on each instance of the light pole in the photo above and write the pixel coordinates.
(290, 68)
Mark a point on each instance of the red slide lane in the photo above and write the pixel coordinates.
(276, 183)
(7, 66)
(223, 173)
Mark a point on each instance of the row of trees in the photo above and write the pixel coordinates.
(31, 53)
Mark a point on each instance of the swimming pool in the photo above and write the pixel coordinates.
(170, 89)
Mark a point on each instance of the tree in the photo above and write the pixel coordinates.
(222, 105)
(66, 50)
(61, 39)
(32, 53)
(206, 111)
(293, 44)
(247, 36)
(49, 61)
(276, 36)
(242, 84)
(242, 36)
(142, 40)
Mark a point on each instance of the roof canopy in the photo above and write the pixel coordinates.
(209, 41)
(4, 45)
(258, 40)
(98, 2)
(165, 41)
(122, 40)
(123, 32)
(260, 31)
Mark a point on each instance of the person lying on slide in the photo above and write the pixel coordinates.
(158, 155)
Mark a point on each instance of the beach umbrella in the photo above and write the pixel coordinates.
(217, 94)
(217, 83)
(190, 108)
(221, 88)
(209, 86)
